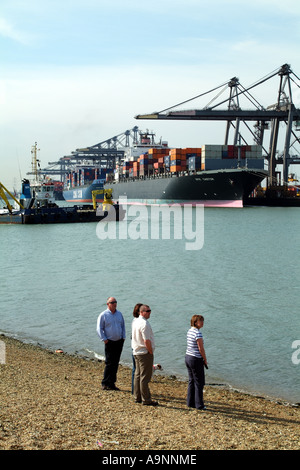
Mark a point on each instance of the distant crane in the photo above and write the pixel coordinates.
(105, 153)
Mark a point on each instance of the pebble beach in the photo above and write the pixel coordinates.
(54, 401)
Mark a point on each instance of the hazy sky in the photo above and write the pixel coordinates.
(75, 73)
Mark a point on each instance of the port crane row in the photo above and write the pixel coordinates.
(283, 112)
(104, 153)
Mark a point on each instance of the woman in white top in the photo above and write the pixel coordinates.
(195, 360)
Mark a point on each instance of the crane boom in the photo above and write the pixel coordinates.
(3, 191)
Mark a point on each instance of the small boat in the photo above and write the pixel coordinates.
(37, 206)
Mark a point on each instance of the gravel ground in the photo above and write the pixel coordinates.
(54, 401)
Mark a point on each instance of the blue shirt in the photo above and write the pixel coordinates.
(111, 326)
(192, 347)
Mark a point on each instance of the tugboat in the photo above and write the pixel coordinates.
(37, 206)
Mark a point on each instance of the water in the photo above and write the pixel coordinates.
(245, 281)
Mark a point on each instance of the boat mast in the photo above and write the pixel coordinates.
(35, 163)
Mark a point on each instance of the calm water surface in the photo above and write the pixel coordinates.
(245, 281)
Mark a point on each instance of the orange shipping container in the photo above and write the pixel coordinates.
(158, 165)
(174, 168)
(175, 151)
(155, 151)
(160, 151)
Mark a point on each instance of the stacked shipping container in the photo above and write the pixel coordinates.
(158, 161)
(83, 176)
(228, 156)
(185, 159)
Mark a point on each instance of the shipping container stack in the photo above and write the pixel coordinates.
(73, 179)
(103, 173)
(84, 176)
(148, 163)
(177, 160)
(215, 157)
(185, 159)
(208, 157)
(157, 158)
(144, 164)
(126, 168)
(193, 158)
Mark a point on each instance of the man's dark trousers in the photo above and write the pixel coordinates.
(113, 351)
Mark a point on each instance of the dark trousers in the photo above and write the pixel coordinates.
(195, 367)
(113, 350)
(133, 372)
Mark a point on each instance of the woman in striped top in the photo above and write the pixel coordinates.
(195, 360)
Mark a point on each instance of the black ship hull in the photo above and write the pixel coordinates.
(63, 215)
(215, 188)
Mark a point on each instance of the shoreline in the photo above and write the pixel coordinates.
(54, 401)
(92, 356)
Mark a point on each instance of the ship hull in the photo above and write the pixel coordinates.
(216, 188)
(15, 218)
(59, 215)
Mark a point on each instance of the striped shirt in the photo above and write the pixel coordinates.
(192, 347)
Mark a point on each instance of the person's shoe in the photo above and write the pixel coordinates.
(151, 403)
(203, 408)
(110, 387)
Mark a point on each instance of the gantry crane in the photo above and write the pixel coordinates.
(105, 153)
(283, 111)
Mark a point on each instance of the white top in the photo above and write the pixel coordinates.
(141, 331)
(192, 347)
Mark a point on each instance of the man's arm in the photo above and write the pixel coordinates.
(100, 329)
(148, 345)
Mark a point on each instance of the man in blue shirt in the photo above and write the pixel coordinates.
(111, 330)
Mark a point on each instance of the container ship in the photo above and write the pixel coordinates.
(212, 175)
